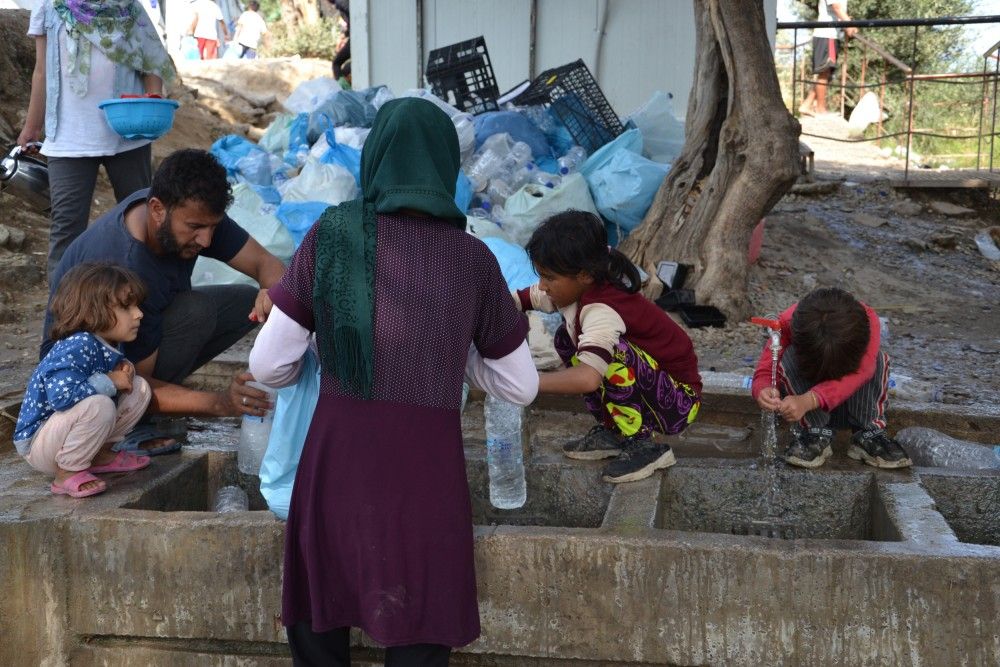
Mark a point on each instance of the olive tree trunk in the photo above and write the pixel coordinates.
(740, 156)
(300, 12)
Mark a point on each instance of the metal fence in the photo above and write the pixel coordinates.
(871, 52)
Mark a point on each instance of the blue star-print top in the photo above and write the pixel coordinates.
(76, 367)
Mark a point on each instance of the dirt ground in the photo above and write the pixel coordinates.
(919, 268)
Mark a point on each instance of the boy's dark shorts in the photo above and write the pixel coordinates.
(825, 53)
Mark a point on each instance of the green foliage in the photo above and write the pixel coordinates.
(317, 40)
(270, 10)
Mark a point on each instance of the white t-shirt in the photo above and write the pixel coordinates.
(824, 14)
(82, 129)
(251, 27)
(209, 15)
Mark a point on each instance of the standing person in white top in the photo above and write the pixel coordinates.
(825, 54)
(205, 28)
(87, 51)
(250, 28)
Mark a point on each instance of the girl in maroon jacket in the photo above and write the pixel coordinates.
(636, 367)
(831, 372)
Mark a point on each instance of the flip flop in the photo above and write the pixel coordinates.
(144, 433)
(123, 462)
(71, 485)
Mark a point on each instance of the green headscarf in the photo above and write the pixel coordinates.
(120, 29)
(410, 161)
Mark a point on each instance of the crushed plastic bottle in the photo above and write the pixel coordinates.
(928, 447)
(488, 160)
(231, 499)
(719, 380)
(984, 241)
(504, 456)
(499, 190)
(541, 117)
(571, 162)
(906, 388)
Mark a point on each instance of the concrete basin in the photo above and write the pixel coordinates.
(969, 502)
(830, 505)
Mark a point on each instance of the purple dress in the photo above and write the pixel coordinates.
(379, 532)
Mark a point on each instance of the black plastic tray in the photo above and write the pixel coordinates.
(702, 316)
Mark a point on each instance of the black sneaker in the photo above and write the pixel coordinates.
(600, 443)
(810, 448)
(877, 449)
(638, 460)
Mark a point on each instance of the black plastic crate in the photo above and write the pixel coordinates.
(577, 101)
(462, 75)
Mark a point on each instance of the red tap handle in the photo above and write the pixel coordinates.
(764, 322)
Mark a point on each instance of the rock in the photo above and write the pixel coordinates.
(949, 209)
(868, 220)
(809, 281)
(907, 207)
(916, 244)
(943, 240)
(15, 239)
(4, 235)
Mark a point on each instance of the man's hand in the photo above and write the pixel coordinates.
(241, 399)
(26, 140)
(261, 307)
(769, 398)
(850, 32)
(122, 376)
(793, 408)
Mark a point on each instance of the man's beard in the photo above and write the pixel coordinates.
(168, 243)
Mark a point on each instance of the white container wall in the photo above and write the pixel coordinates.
(646, 45)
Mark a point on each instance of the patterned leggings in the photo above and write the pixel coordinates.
(637, 397)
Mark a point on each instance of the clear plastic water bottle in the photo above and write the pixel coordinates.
(498, 215)
(504, 456)
(571, 162)
(906, 388)
(482, 211)
(539, 115)
(254, 434)
(488, 160)
(231, 499)
(499, 190)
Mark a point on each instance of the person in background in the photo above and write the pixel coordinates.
(86, 52)
(825, 59)
(342, 58)
(159, 233)
(637, 368)
(250, 30)
(205, 26)
(84, 396)
(832, 372)
(403, 301)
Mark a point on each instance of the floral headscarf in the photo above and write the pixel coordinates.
(120, 29)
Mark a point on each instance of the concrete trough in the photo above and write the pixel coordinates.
(884, 567)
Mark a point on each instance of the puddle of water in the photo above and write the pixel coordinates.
(212, 435)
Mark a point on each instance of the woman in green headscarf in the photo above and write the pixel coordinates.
(379, 532)
(87, 51)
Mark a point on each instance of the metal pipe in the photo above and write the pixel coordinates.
(602, 22)
(420, 43)
(879, 49)
(890, 23)
(982, 108)
(993, 126)
(881, 107)
(532, 55)
(843, 81)
(909, 122)
(795, 69)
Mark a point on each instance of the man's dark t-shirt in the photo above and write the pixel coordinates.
(107, 240)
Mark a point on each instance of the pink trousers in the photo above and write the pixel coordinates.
(70, 439)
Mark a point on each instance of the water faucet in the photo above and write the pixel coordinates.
(774, 333)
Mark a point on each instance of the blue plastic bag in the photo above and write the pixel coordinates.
(298, 217)
(518, 126)
(624, 187)
(298, 142)
(630, 141)
(230, 149)
(514, 264)
(293, 412)
(463, 191)
(345, 156)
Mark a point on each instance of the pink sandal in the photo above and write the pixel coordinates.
(123, 462)
(71, 485)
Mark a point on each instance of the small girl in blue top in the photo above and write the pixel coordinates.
(84, 396)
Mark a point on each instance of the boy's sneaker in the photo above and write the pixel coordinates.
(639, 458)
(600, 443)
(877, 449)
(810, 448)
